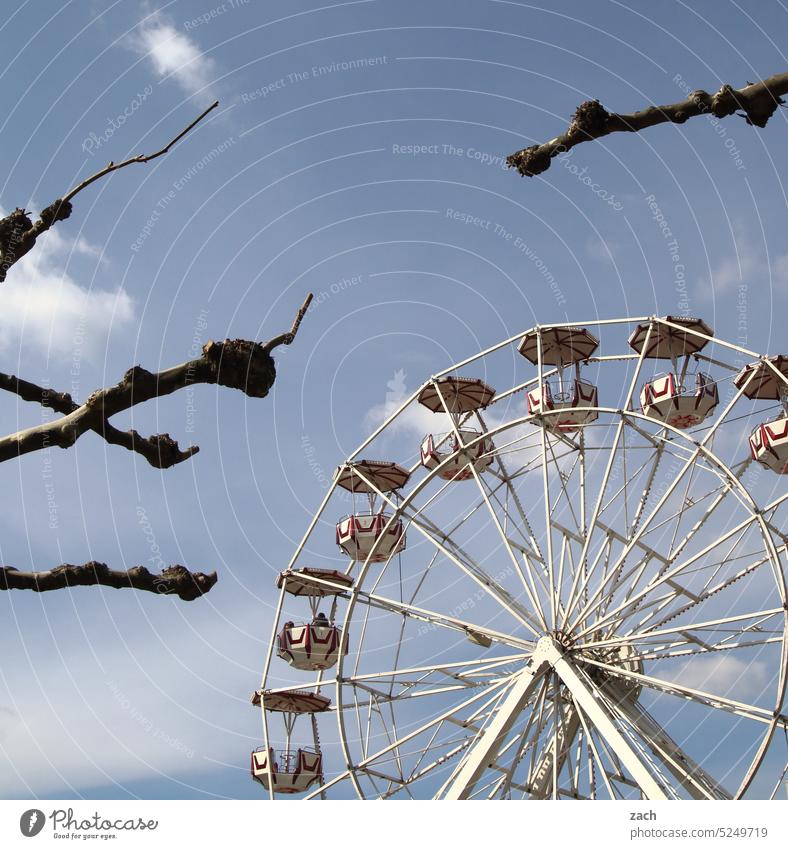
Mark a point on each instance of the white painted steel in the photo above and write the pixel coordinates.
(597, 561)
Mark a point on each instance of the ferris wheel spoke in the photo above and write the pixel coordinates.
(458, 669)
(672, 650)
(476, 573)
(548, 527)
(468, 565)
(442, 717)
(533, 598)
(652, 464)
(605, 551)
(685, 643)
(665, 577)
(690, 775)
(581, 581)
(440, 761)
(417, 770)
(708, 700)
(648, 623)
(441, 750)
(709, 626)
(658, 603)
(470, 723)
(563, 495)
(505, 476)
(531, 730)
(595, 756)
(738, 630)
(546, 491)
(458, 436)
(440, 619)
(530, 549)
(409, 689)
(529, 545)
(543, 780)
(583, 577)
(409, 693)
(699, 449)
(582, 690)
(676, 520)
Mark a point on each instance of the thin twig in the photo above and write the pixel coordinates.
(287, 338)
(140, 158)
(18, 233)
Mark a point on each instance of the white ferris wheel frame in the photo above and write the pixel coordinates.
(547, 656)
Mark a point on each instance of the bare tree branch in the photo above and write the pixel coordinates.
(757, 102)
(235, 363)
(161, 451)
(174, 580)
(140, 158)
(61, 402)
(18, 233)
(287, 338)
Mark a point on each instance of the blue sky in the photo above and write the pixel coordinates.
(356, 153)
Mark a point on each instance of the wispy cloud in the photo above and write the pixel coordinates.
(722, 674)
(416, 421)
(45, 309)
(173, 54)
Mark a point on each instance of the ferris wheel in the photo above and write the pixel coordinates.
(572, 587)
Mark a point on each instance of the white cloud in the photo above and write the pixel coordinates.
(415, 419)
(520, 443)
(45, 309)
(722, 674)
(173, 54)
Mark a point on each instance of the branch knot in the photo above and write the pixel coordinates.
(58, 210)
(724, 102)
(589, 119)
(240, 364)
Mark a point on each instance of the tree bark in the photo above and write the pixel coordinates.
(757, 102)
(174, 580)
(235, 363)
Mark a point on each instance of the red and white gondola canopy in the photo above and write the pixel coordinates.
(313, 582)
(760, 380)
(667, 342)
(371, 476)
(292, 701)
(460, 394)
(561, 346)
